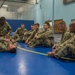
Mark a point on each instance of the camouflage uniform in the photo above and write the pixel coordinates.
(4, 29)
(4, 45)
(27, 34)
(65, 36)
(67, 49)
(19, 34)
(44, 38)
(35, 32)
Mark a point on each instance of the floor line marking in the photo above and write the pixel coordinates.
(42, 53)
(32, 51)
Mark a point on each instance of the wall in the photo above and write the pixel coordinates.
(7, 14)
(44, 11)
(28, 13)
(66, 12)
(17, 23)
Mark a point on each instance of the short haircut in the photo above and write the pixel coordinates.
(22, 24)
(48, 24)
(32, 25)
(12, 50)
(37, 24)
(61, 23)
(2, 19)
(72, 23)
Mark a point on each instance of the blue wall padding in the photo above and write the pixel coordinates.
(17, 23)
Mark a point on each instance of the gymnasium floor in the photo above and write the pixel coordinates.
(32, 61)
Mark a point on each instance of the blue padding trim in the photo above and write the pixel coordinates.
(17, 23)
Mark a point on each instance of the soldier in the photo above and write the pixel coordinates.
(28, 33)
(7, 45)
(19, 34)
(31, 37)
(67, 48)
(65, 34)
(4, 27)
(44, 38)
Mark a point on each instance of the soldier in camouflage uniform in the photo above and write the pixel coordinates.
(19, 34)
(7, 44)
(44, 38)
(4, 27)
(65, 35)
(31, 37)
(28, 33)
(67, 48)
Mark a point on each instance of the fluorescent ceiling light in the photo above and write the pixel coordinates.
(5, 6)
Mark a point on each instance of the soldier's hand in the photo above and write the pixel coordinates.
(54, 47)
(13, 40)
(24, 33)
(35, 37)
(51, 53)
(29, 43)
(26, 41)
(7, 40)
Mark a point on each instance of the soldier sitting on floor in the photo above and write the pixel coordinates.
(65, 34)
(67, 48)
(28, 33)
(44, 38)
(19, 34)
(36, 30)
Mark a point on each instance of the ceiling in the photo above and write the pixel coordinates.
(16, 4)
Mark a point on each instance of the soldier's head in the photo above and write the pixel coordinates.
(32, 27)
(72, 27)
(37, 26)
(11, 48)
(62, 26)
(46, 25)
(2, 20)
(22, 25)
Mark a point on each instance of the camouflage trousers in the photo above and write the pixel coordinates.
(43, 42)
(48, 42)
(66, 51)
(2, 47)
(25, 37)
(17, 37)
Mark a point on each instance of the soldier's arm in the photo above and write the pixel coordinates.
(9, 28)
(32, 35)
(17, 31)
(67, 35)
(1, 39)
(40, 34)
(49, 34)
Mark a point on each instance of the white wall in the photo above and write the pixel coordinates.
(28, 13)
(7, 14)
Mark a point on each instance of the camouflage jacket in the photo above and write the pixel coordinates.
(65, 36)
(45, 34)
(5, 29)
(20, 31)
(28, 33)
(70, 40)
(34, 33)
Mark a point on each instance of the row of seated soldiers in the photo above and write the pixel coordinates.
(35, 36)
